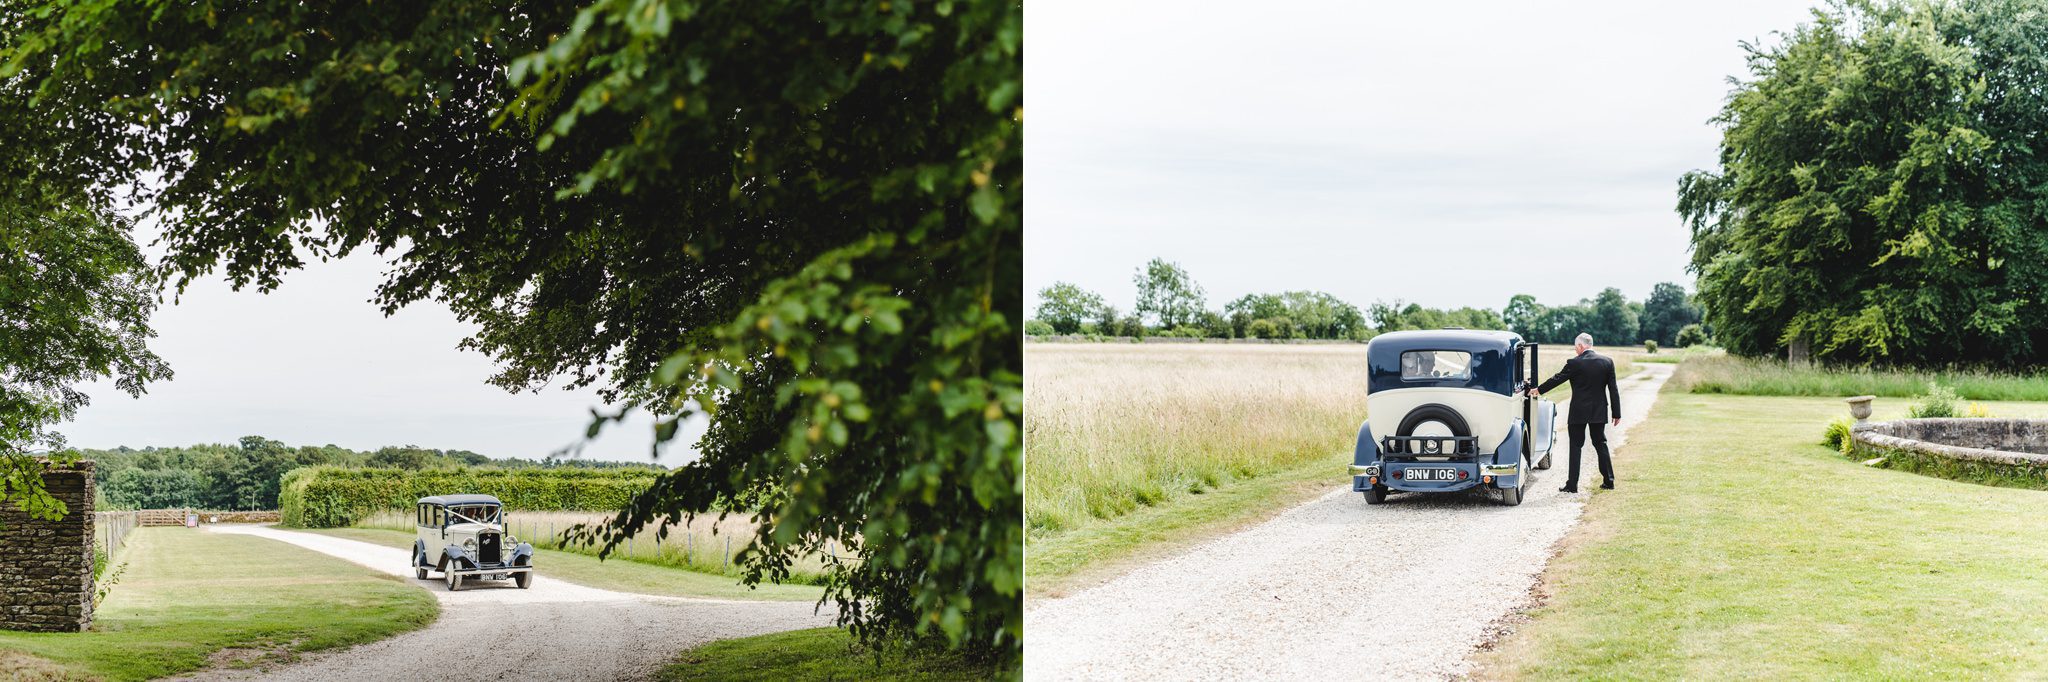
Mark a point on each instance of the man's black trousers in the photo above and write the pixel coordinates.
(1599, 446)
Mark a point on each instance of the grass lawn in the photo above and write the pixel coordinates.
(188, 594)
(819, 654)
(616, 574)
(1740, 548)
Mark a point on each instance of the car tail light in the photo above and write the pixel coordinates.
(1374, 480)
(1485, 479)
(1462, 475)
(1397, 474)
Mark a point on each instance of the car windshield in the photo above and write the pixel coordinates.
(1436, 364)
(475, 513)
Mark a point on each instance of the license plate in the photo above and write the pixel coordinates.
(1430, 474)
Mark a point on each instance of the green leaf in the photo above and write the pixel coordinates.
(985, 204)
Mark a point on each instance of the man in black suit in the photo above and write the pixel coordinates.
(1593, 389)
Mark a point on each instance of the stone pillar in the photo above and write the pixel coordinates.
(46, 566)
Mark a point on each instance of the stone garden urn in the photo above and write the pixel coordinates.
(1859, 407)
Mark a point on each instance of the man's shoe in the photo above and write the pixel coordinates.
(1568, 490)
(1607, 485)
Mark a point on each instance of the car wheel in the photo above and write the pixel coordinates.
(454, 582)
(1376, 495)
(523, 579)
(420, 572)
(1511, 496)
(1543, 463)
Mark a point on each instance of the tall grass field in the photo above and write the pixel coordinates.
(1723, 374)
(1113, 428)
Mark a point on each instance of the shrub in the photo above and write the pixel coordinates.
(1940, 401)
(327, 496)
(1691, 335)
(1978, 411)
(1650, 347)
(1837, 435)
(1037, 328)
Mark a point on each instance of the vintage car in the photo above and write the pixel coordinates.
(1447, 410)
(463, 537)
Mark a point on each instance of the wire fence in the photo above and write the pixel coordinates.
(110, 530)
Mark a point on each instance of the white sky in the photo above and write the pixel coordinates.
(315, 362)
(1450, 154)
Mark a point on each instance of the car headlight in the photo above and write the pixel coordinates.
(512, 540)
(469, 544)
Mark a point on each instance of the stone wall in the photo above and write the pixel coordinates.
(46, 566)
(2003, 452)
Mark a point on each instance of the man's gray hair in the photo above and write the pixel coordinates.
(1584, 339)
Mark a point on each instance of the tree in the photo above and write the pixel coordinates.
(1066, 306)
(408, 457)
(1249, 307)
(1318, 315)
(1399, 316)
(1108, 321)
(154, 489)
(1612, 321)
(1561, 324)
(1691, 335)
(1666, 311)
(802, 219)
(75, 299)
(1168, 294)
(1216, 326)
(1521, 314)
(1879, 195)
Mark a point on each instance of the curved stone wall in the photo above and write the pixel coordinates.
(2009, 452)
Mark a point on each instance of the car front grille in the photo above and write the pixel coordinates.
(487, 546)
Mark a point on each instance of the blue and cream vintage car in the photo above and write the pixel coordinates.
(463, 537)
(1447, 410)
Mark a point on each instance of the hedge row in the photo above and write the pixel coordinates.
(329, 496)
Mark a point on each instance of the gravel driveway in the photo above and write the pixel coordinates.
(1331, 589)
(552, 631)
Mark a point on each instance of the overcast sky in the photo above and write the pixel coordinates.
(1451, 154)
(315, 363)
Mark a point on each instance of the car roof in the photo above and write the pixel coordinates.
(448, 500)
(1447, 339)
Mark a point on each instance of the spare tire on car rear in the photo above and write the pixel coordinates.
(1433, 412)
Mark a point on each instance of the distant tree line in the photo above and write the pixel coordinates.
(1171, 303)
(1669, 317)
(246, 474)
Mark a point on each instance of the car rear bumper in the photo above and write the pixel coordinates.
(1474, 475)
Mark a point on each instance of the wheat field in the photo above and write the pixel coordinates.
(1112, 427)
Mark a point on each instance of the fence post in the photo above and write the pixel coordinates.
(725, 561)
